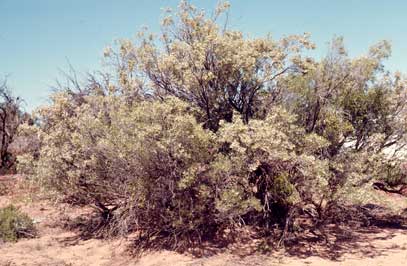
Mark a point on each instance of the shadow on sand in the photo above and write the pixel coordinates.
(328, 241)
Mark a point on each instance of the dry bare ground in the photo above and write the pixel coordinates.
(56, 245)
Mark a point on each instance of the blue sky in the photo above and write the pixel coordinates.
(40, 37)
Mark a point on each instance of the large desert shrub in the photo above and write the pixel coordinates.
(152, 167)
(208, 129)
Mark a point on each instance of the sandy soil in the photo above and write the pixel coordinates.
(58, 246)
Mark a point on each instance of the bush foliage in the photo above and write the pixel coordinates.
(15, 224)
(204, 129)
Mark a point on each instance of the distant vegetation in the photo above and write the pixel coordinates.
(200, 129)
(11, 116)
